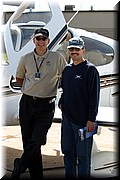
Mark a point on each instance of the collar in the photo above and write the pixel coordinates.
(40, 57)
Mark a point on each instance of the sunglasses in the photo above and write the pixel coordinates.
(39, 38)
(76, 49)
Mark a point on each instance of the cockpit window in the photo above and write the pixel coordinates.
(98, 52)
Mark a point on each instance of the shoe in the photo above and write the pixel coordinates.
(17, 169)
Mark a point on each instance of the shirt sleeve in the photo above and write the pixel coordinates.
(63, 63)
(94, 92)
(20, 72)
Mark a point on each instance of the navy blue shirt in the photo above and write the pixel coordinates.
(81, 89)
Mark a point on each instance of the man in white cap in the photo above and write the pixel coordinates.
(79, 104)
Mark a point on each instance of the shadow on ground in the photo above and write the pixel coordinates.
(53, 165)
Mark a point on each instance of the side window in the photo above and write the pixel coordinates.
(25, 23)
(15, 37)
(26, 35)
(21, 35)
(98, 52)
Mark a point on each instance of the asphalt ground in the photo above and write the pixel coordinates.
(11, 145)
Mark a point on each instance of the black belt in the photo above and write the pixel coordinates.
(50, 100)
(47, 99)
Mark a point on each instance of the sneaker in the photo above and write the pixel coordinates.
(17, 169)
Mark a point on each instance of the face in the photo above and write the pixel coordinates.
(76, 53)
(41, 42)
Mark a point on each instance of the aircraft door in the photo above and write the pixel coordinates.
(114, 91)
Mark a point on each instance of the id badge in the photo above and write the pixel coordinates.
(37, 76)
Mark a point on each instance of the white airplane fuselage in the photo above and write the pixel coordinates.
(100, 50)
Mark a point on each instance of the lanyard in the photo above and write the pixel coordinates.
(38, 67)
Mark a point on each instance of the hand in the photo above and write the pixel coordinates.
(90, 126)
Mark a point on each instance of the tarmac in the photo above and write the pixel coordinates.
(11, 146)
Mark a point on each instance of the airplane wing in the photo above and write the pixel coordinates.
(104, 164)
(107, 116)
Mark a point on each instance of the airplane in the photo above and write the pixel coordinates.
(17, 41)
(100, 50)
